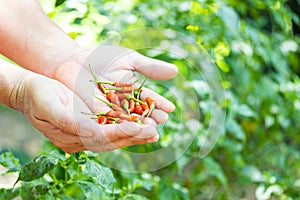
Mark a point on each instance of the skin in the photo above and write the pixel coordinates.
(46, 91)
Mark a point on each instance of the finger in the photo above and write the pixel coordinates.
(152, 68)
(134, 140)
(159, 116)
(161, 102)
(64, 139)
(63, 118)
(113, 132)
(110, 133)
(149, 121)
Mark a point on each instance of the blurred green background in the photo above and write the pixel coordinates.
(255, 45)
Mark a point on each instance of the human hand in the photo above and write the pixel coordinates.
(48, 105)
(115, 64)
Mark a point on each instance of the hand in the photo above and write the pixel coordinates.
(48, 105)
(115, 64)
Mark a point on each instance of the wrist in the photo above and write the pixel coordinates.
(12, 84)
(18, 91)
(67, 71)
(55, 57)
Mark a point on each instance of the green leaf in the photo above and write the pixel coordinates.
(235, 129)
(215, 170)
(9, 161)
(167, 190)
(245, 110)
(101, 175)
(59, 2)
(9, 194)
(37, 168)
(134, 197)
(91, 191)
(34, 190)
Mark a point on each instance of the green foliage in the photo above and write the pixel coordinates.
(257, 52)
(37, 168)
(8, 161)
(56, 175)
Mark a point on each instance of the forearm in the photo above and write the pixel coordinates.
(31, 39)
(11, 83)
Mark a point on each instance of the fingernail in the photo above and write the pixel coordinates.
(85, 129)
(153, 139)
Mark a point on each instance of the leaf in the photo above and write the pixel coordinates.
(101, 175)
(34, 190)
(166, 190)
(134, 197)
(235, 129)
(59, 2)
(9, 194)
(215, 170)
(91, 191)
(9, 161)
(37, 168)
(245, 110)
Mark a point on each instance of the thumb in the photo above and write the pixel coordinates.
(153, 68)
(68, 120)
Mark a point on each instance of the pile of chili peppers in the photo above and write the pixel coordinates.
(124, 101)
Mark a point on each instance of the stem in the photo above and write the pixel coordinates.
(96, 80)
(134, 99)
(137, 80)
(116, 88)
(93, 74)
(106, 102)
(90, 114)
(139, 88)
(103, 82)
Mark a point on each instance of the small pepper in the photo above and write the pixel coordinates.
(102, 120)
(125, 105)
(131, 106)
(138, 108)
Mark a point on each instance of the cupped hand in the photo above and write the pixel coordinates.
(49, 106)
(115, 64)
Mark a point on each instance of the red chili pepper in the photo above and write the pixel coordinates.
(151, 104)
(138, 108)
(112, 97)
(122, 95)
(129, 117)
(117, 84)
(109, 96)
(146, 109)
(113, 113)
(102, 120)
(120, 84)
(115, 100)
(102, 88)
(134, 118)
(131, 106)
(113, 106)
(110, 121)
(117, 108)
(121, 89)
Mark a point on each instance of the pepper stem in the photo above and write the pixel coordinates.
(128, 96)
(106, 102)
